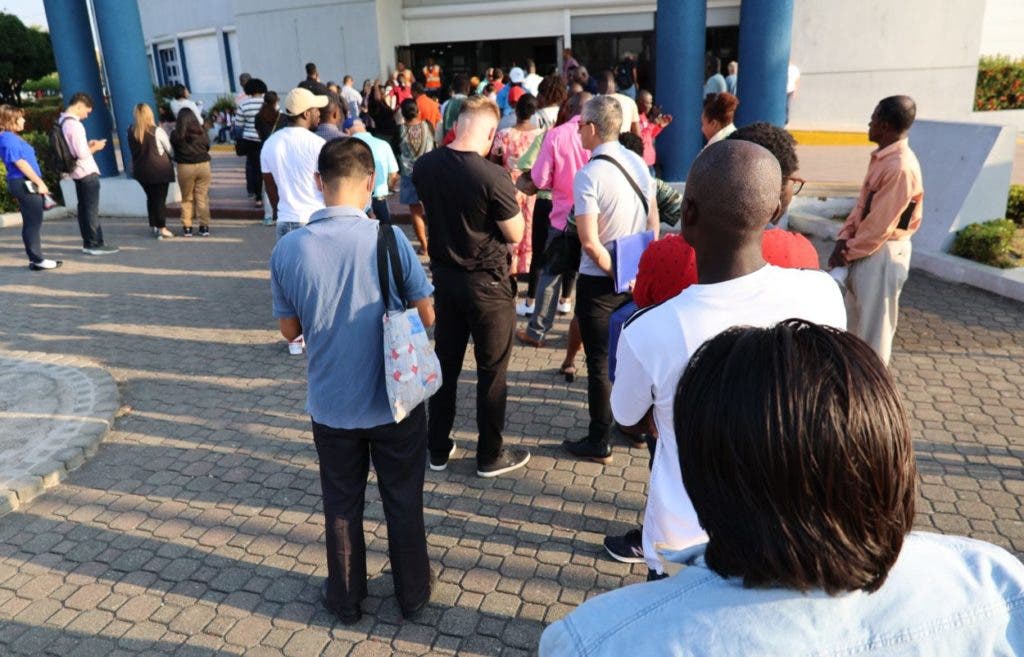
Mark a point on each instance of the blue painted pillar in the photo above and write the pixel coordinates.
(680, 36)
(124, 56)
(75, 52)
(766, 30)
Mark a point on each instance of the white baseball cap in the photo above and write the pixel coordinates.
(516, 75)
(300, 99)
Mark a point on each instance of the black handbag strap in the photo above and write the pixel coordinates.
(632, 183)
(387, 253)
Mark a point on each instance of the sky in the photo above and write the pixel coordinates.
(29, 11)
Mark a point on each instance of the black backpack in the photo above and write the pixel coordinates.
(62, 160)
(624, 75)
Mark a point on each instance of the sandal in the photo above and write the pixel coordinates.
(568, 370)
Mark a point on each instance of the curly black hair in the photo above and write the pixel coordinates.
(777, 140)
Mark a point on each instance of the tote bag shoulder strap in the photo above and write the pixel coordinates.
(632, 183)
(387, 253)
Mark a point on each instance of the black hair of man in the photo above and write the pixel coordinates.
(255, 86)
(344, 158)
(243, 78)
(526, 107)
(795, 450)
(632, 142)
(331, 109)
(417, 88)
(898, 112)
(777, 140)
(606, 82)
(410, 110)
(345, 80)
(310, 69)
(178, 91)
(734, 186)
(460, 84)
(497, 74)
(82, 98)
(712, 65)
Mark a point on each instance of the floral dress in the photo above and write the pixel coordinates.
(509, 145)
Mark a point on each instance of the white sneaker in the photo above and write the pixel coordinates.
(565, 307)
(524, 308)
(296, 346)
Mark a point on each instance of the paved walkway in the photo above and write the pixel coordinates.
(196, 528)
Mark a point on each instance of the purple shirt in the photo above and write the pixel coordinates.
(74, 132)
(561, 156)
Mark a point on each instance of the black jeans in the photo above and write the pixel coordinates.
(538, 237)
(156, 203)
(397, 451)
(88, 191)
(31, 206)
(482, 305)
(381, 211)
(596, 300)
(253, 175)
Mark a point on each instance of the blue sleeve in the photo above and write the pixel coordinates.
(283, 307)
(415, 285)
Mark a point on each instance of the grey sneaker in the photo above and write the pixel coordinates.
(510, 459)
(102, 249)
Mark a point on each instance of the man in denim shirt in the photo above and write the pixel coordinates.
(796, 452)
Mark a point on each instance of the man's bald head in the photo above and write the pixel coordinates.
(734, 188)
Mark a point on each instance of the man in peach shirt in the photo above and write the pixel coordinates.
(875, 240)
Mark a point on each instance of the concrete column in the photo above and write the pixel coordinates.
(124, 55)
(766, 29)
(680, 82)
(75, 52)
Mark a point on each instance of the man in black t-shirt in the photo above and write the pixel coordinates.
(472, 217)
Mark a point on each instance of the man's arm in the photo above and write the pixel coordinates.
(513, 229)
(425, 307)
(586, 226)
(887, 204)
(393, 180)
(543, 169)
(634, 127)
(271, 188)
(290, 327)
(653, 215)
(633, 391)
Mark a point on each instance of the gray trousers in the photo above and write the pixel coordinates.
(873, 295)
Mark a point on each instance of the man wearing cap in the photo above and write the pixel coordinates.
(511, 92)
(384, 164)
(288, 162)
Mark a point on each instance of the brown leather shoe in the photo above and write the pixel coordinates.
(524, 337)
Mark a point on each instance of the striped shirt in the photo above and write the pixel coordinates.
(246, 117)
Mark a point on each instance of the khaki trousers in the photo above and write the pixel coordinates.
(194, 181)
(873, 295)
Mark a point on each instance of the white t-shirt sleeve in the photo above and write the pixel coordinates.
(633, 390)
(584, 193)
(266, 155)
(392, 162)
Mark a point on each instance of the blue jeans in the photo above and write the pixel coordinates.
(547, 295)
(31, 206)
(285, 227)
(88, 191)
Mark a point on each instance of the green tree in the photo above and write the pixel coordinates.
(25, 54)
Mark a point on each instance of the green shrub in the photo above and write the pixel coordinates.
(39, 118)
(1015, 204)
(50, 83)
(223, 104)
(7, 202)
(987, 242)
(1000, 84)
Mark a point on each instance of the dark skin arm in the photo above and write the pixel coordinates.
(290, 328)
(838, 257)
(271, 188)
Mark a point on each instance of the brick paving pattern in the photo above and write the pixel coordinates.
(196, 528)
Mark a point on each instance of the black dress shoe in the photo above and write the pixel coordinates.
(414, 612)
(346, 616)
(585, 449)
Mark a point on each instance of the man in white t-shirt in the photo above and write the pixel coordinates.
(352, 98)
(732, 192)
(288, 162)
(630, 114)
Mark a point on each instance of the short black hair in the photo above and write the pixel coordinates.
(410, 110)
(178, 90)
(344, 158)
(632, 142)
(417, 88)
(526, 107)
(310, 69)
(460, 84)
(795, 450)
(346, 79)
(81, 97)
(255, 86)
(777, 140)
(898, 112)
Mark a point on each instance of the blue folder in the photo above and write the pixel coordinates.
(626, 252)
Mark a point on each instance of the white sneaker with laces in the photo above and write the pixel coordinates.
(565, 307)
(524, 308)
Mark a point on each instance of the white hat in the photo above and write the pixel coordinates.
(299, 100)
(516, 75)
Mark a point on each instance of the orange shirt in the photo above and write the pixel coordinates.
(430, 111)
(883, 211)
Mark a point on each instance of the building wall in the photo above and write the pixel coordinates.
(851, 54)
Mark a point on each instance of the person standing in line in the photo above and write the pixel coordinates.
(266, 120)
(182, 100)
(325, 285)
(875, 240)
(352, 99)
(416, 139)
(86, 174)
(451, 107)
(611, 199)
(192, 153)
(532, 82)
(429, 110)
(568, 63)
(387, 167)
(249, 145)
(651, 125)
(473, 216)
(730, 80)
(152, 166)
(312, 81)
(627, 106)
(25, 183)
(243, 80)
(715, 83)
(626, 76)
(432, 78)
(331, 119)
(288, 162)
(716, 120)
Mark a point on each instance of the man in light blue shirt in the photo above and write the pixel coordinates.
(325, 286)
(385, 166)
(796, 452)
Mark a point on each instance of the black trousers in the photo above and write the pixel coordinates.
(539, 236)
(156, 203)
(482, 305)
(88, 191)
(596, 300)
(397, 451)
(253, 175)
(31, 207)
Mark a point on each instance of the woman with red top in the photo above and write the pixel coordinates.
(652, 122)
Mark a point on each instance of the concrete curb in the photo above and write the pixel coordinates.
(13, 219)
(76, 437)
(1007, 283)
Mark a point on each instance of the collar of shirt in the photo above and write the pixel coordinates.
(891, 149)
(338, 212)
(607, 148)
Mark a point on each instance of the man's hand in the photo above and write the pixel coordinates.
(96, 145)
(838, 257)
(664, 120)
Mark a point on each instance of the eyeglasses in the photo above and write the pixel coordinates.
(798, 184)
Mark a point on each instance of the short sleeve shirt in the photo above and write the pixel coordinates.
(290, 156)
(14, 148)
(465, 197)
(325, 274)
(630, 113)
(384, 162)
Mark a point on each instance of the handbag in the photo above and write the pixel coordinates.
(564, 252)
(412, 372)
